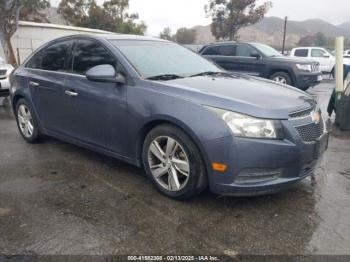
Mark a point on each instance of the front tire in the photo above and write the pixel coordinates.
(173, 163)
(282, 78)
(26, 122)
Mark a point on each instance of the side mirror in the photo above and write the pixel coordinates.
(256, 55)
(105, 74)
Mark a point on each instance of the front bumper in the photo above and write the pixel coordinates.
(304, 81)
(292, 158)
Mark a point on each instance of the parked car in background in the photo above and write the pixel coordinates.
(319, 54)
(5, 71)
(347, 53)
(160, 106)
(263, 61)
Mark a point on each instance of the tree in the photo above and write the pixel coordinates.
(306, 41)
(31, 10)
(320, 39)
(166, 34)
(10, 12)
(228, 16)
(185, 36)
(111, 16)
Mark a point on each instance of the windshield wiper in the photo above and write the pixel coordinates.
(164, 77)
(211, 73)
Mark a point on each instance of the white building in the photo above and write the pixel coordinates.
(29, 36)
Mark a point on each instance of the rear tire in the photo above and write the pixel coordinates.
(173, 163)
(282, 77)
(26, 122)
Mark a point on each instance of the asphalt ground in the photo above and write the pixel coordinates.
(58, 199)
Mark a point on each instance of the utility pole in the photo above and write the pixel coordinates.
(339, 67)
(284, 34)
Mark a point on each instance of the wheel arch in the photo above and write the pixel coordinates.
(21, 95)
(284, 70)
(153, 123)
(15, 100)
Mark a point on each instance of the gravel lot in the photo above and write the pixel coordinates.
(56, 198)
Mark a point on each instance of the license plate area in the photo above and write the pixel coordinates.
(321, 146)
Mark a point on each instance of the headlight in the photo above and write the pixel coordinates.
(304, 67)
(250, 127)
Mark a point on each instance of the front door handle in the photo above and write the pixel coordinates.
(34, 83)
(71, 94)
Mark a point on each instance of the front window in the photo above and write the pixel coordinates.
(245, 51)
(318, 53)
(155, 58)
(88, 54)
(267, 50)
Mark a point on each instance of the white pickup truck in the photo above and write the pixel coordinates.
(5, 71)
(319, 54)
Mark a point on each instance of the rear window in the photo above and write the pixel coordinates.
(222, 50)
(52, 58)
(301, 52)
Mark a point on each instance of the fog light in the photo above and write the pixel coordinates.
(257, 175)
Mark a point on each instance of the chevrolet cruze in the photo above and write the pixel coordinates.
(160, 106)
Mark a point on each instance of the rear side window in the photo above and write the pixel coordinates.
(222, 50)
(88, 54)
(317, 53)
(35, 61)
(212, 50)
(301, 52)
(227, 50)
(52, 58)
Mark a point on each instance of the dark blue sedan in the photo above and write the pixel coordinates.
(157, 105)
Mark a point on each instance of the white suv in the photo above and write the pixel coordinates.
(319, 54)
(5, 71)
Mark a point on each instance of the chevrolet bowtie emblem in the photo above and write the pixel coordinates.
(316, 117)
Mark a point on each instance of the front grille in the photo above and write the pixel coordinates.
(311, 132)
(3, 72)
(315, 68)
(301, 114)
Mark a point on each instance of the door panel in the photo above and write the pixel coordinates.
(97, 114)
(46, 91)
(46, 78)
(325, 62)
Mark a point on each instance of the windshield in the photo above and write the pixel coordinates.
(267, 50)
(155, 58)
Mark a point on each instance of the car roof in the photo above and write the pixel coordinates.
(231, 42)
(116, 37)
(309, 47)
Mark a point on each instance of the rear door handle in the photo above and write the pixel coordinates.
(71, 94)
(34, 83)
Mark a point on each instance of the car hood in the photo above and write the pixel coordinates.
(240, 93)
(289, 59)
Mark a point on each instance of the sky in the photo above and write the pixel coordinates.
(159, 14)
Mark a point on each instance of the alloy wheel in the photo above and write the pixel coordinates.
(168, 163)
(25, 121)
(280, 79)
